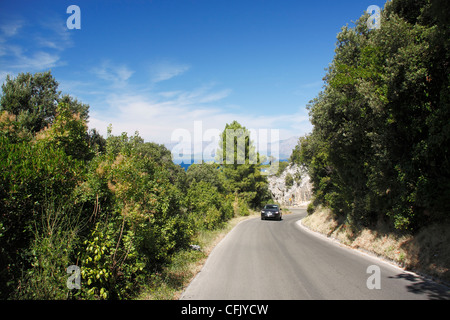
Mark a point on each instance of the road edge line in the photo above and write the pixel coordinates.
(372, 255)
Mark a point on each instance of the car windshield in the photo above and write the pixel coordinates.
(270, 206)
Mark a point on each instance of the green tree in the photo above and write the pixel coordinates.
(137, 211)
(207, 172)
(379, 130)
(69, 132)
(289, 180)
(32, 176)
(34, 99)
(241, 166)
(208, 209)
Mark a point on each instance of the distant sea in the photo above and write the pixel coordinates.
(185, 166)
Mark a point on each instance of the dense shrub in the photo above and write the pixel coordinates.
(207, 208)
(142, 219)
(118, 208)
(380, 143)
(32, 176)
(289, 180)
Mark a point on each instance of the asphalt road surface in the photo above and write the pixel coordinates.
(279, 260)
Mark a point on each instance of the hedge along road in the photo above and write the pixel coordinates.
(265, 260)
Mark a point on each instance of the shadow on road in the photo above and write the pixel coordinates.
(419, 285)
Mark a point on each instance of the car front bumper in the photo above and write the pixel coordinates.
(270, 215)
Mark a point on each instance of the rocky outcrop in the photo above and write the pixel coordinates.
(291, 195)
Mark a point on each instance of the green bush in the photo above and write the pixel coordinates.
(50, 253)
(242, 208)
(31, 174)
(311, 208)
(205, 206)
(282, 165)
(97, 263)
(118, 208)
(143, 219)
(381, 134)
(289, 180)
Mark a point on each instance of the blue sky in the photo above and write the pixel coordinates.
(155, 66)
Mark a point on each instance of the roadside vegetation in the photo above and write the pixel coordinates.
(116, 207)
(174, 277)
(120, 209)
(378, 155)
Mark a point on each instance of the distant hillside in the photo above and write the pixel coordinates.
(285, 148)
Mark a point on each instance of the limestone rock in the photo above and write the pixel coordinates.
(299, 193)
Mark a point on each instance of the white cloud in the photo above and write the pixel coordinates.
(37, 61)
(19, 60)
(33, 53)
(59, 37)
(117, 75)
(157, 116)
(10, 28)
(166, 70)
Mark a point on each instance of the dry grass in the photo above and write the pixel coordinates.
(321, 221)
(427, 252)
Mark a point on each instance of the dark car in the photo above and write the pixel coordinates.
(271, 211)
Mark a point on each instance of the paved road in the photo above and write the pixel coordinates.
(265, 260)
